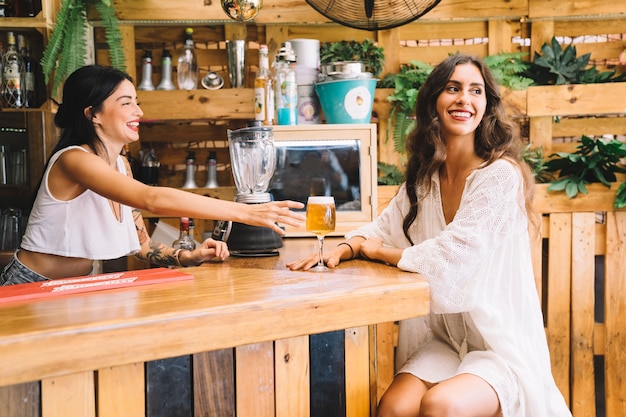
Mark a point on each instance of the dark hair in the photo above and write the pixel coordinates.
(495, 137)
(87, 87)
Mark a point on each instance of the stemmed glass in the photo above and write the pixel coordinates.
(320, 219)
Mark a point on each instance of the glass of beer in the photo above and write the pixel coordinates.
(320, 219)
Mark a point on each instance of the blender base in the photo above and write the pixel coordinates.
(253, 241)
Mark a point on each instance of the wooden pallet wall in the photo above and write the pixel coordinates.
(479, 27)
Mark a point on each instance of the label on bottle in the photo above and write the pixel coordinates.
(259, 103)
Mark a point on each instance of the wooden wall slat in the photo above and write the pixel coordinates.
(214, 383)
(293, 383)
(614, 313)
(254, 380)
(583, 306)
(69, 396)
(20, 400)
(558, 311)
(121, 391)
(578, 99)
(357, 372)
(559, 8)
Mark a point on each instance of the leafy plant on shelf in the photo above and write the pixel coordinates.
(66, 50)
(536, 160)
(595, 160)
(557, 66)
(406, 86)
(389, 174)
(508, 69)
(371, 55)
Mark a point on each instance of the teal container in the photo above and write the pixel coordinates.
(347, 101)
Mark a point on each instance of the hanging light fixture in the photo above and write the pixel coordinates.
(373, 14)
(242, 10)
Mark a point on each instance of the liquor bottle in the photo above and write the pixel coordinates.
(12, 75)
(190, 171)
(188, 64)
(192, 231)
(150, 168)
(146, 72)
(134, 163)
(211, 169)
(166, 72)
(30, 73)
(184, 241)
(286, 86)
(264, 90)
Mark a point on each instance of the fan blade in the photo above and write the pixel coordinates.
(369, 8)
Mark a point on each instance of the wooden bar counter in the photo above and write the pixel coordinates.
(89, 350)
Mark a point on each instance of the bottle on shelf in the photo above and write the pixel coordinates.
(184, 241)
(192, 231)
(286, 86)
(187, 69)
(166, 72)
(30, 73)
(264, 90)
(134, 163)
(211, 169)
(150, 168)
(190, 171)
(146, 72)
(12, 75)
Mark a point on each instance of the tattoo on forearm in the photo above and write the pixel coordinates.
(160, 254)
(141, 231)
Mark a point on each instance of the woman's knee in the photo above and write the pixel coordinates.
(402, 399)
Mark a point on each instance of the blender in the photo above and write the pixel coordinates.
(253, 160)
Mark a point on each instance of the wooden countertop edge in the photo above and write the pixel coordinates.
(44, 354)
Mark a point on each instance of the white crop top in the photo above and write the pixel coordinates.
(84, 227)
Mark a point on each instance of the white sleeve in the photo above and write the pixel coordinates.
(388, 225)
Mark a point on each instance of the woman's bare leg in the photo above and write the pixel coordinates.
(464, 395)
(403, 397)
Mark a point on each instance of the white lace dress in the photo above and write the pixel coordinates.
(485, 314)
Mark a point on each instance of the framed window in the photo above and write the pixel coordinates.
(328, 159)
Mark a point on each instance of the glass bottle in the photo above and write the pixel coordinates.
(150, 168)
(166, 72)
(134, 163)
(264, 90)
(184, 241)
(211, 169)
(187, 69)
(286, 86)
(192, 231)
(190, 171)
(30, 72)
(12, 75)
(146, 72)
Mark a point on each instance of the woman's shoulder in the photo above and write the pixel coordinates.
(501, 172)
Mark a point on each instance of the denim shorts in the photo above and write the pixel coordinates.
(17, 273)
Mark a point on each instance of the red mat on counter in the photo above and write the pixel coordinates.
(46, 289)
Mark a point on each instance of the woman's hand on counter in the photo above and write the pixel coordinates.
(210, 251)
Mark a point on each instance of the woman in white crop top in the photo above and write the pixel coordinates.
(88, 206)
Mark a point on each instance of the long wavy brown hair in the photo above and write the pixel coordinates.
(495, 137)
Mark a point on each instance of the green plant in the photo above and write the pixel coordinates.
(66, 50)
(595, 160)
(389, 174)
(507, 69)
(556, 66)
(372, 56)
(407, 83)
(535, 158)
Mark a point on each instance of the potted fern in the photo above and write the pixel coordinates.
(66, 50)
